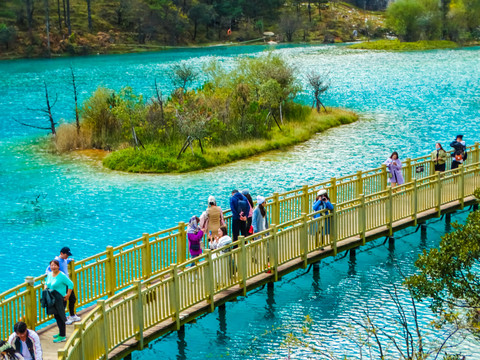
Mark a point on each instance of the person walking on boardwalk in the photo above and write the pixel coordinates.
(259, 219)
(63, 259)
(459, 154)
(26, 342)
(240, 210)
(439, 157)
(58, 288)
(213, 218)
(7, 352)
(246, 193)
(394, 166)
(194, 235)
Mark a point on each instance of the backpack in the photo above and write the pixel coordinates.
(458, 156)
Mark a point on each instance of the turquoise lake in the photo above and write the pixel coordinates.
(407, 102)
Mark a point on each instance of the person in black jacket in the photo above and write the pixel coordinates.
(240, 210)
(460, 151)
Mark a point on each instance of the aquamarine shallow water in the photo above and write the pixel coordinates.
(407, 101)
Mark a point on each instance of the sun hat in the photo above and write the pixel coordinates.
(321, 192)
(260, 199)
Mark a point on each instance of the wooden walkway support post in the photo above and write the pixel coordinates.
(146, 257)
(438, 200)
(305, 202)
(304, 240)
(276, 208)
(273, 249)
(408, 170)
(461, 186)
(106, 327)
(72, 274)
(181, 243)
(333, 190)
(476, 153)
(138, 317)
(175, 296)
(243, 265)
(110, 272)
(333, 230)
(359, 187)
(81, 346)
(30, 303)
(383, 178)
(210, 280)
(390, 211)
(415, 202)
(362, 221)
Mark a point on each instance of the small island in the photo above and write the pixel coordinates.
(231, 116)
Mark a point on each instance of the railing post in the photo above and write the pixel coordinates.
(79, 327)
(304, 240)
(106, 329)
(276, 208)
(390, 211)
(415, 202)
(408, 170)
(476, 153)
(61, 354)
(181, 243)
(461, 186)
(383, 178)
(110, 272)
(146, 256)
(273, 249)
(305, 202)
(439, 193)
(138, 317)
(72, 274)
(30, 303)
(243, 264)
(362, 219)
(359, 183)
(175, 296)
(333, 230)
(210, 280)
(333, 190)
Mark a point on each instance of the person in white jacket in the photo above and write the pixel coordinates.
(223, 268)
(26, 342)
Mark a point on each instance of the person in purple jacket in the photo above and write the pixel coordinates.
(394, 166)
(194, 235)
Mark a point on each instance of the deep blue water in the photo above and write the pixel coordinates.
(407, 102)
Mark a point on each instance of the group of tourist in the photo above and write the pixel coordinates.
(24, 343)
(439, 159)
(246, 219)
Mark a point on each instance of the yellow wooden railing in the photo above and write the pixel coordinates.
(363, 202)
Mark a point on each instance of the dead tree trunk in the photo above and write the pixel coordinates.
(69, 26)
(89, 15)
(47, 24)
(59, 15)
(77, 120)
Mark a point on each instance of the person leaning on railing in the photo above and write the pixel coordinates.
(322, 202)
(57, 290)
(439, 157)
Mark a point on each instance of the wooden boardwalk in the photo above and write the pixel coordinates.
(231, 293)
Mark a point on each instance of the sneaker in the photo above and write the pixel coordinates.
(60, 339)
(72, 319)
(56, 336)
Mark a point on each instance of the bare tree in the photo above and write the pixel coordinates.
(47, 111)
(47, 25)
(59, 16)
(319, 83)
(89, 14)
(77, 120)
(69, 25)
(289, 24)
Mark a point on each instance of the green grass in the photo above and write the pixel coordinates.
(397, 45)
(158, 159)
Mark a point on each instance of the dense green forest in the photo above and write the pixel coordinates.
(52, 27)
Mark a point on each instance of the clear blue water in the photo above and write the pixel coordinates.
(407, 101)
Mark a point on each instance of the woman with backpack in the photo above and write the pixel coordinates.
(439, 157)
(394, 166)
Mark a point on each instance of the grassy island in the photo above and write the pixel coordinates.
(163, 159)
(397, 45)
(232, 115)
